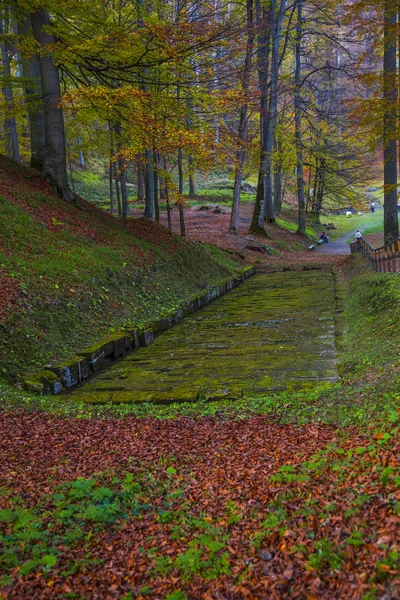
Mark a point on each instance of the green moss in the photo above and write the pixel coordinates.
(50, 376)
(274, 332)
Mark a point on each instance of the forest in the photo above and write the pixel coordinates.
(302, 97)
(199, 299)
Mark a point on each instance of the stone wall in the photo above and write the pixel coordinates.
(90, 361)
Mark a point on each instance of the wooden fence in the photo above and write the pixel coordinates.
(385, 259)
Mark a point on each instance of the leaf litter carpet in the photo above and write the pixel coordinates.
(228, 509)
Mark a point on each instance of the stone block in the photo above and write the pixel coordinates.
(129, 341)
(178, 315)
(68, 373)
(201, 301)
(108, 346)
(162, 325)
(94, 355)
(83, 368)
(146, 337)
(56, 387)
(191, 306)
(133, 333)
(36, 386)
(43, 383)
(213, 294)
(119, 345)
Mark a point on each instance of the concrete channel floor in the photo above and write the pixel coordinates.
(274, 332)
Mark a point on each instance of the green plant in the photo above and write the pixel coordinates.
(324, 552)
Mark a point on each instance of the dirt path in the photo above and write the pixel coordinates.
(211, 227)
(339, 246)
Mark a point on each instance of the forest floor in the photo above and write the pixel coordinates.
(280, 246)
(292, 495)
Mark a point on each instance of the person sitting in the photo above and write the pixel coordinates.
(323, 238)
(358, 235)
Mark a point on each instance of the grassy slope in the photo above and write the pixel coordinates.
(284, 505)
(69, 275)
(367, 222)
(217, 189)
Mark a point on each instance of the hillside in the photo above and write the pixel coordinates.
(70, 273)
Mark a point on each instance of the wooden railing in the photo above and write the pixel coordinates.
(385, 259)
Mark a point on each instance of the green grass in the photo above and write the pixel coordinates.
(80, 274)
(220, 196)
(293, 226)
(367, 223)
(92, 187)
(216, 190)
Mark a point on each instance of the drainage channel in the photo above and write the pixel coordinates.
(275, 332)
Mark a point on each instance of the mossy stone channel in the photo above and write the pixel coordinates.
(276, 332)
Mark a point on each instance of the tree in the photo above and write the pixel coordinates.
(10, 124)
(298, 134)
(269, 26)
(33, 95)
(391, 225)
(54, 167)
(242, 132)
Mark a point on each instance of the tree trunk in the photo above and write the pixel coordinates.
(319, 185)
(112, 171)
(167, 193)
(111, 186)
(180, 178)
(240, 155)
(54, 166)
(162, 177)
(81, 155)
(320, 188)
(124, 191)
(298, 137)
(117, 189)
(10, 123)
(156, 179)
(234, 222)
(277, 187)
(277, 173)
(276, 27)
(192, 190)
(258, 214)
(263, 52)
(190, 158)
(122, 173)
(180, 187)
(149, 185)
(140, 179)
(391, 224)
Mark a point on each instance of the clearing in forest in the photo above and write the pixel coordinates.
(276, 332)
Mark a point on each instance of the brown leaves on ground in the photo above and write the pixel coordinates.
(290, 523)
(210, 227)
(25, 188)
